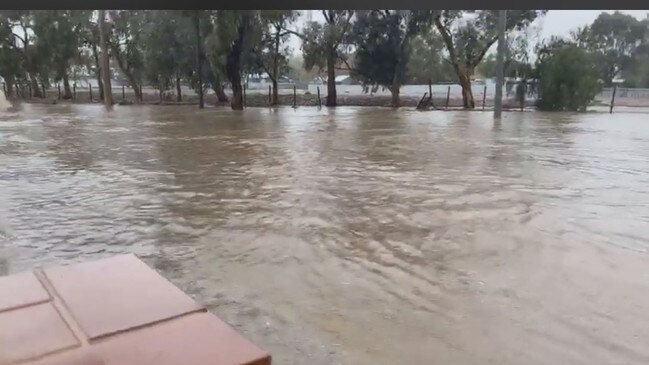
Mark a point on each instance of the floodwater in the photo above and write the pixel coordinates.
(354, 235)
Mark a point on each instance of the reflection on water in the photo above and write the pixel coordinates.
(354, 235)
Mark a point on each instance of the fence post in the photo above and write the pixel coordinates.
(74, 91)
(270, 101)
(18, 94)
(58, 87)
(319, 101)
(294, 96)
(484, 96)
(44, 92)
(123, 93)
(448, 95)
(613, 99)
(90, 88)
(29, 88)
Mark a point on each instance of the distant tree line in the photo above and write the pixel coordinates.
(381, 49)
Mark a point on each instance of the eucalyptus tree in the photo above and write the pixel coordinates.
(58, 39)
(613, 39)
(325, 45)
(382, 39)
(235, 35)
(11, 58)
(272, 55)
(468, 35)
(127, 45)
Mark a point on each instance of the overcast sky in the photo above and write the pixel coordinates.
(555, 22)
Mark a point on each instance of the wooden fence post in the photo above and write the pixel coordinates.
(244, 95)
(270, 99)
(58, 87)
(90, 89)
(123, 93)
(294, 96)
(448, 95)
(74, 91)
(613, 99)
(319, 100)
(484, 96)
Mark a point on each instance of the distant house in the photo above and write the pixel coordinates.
(344, 80)
(262, 81)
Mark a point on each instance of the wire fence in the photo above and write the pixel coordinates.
(442, 93)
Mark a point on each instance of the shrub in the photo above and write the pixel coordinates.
(568, 78)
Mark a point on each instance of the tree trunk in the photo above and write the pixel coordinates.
(36, 92)
(394, 90)
(100, 84)
(237, 94)
(137, 89)
(199, 62)
(467, 94)
(233, 66)
(218, 90)
(179, 96)
(275, 99)
(331, 79)
(67, 93)
(36, 88)
(105, 62)
(9, 87)
(396, 85)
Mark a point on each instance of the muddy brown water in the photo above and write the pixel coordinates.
(354, 235)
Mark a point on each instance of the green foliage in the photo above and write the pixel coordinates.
(568, 79)
(272, 54)
(57, 35)
(383, 41)
(613, 39)
(637, 74)
(236, 33)
(468, 35)
(168, 47)
(477, 31)
(426, 60)
(127, 42)
(326, 41)
(11, 61)
(231, 46)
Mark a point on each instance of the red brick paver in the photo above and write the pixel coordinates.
(115, 311)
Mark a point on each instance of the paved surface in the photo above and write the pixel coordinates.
(111, 311)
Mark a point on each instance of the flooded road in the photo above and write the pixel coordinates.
(355, 235)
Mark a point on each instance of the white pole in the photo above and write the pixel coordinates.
(500, 59)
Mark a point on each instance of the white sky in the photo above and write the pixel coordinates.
(555, 22)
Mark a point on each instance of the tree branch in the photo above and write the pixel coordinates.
(448, 40)
(477, 60)
(326, 16)
(301, 36)
(19, 37)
